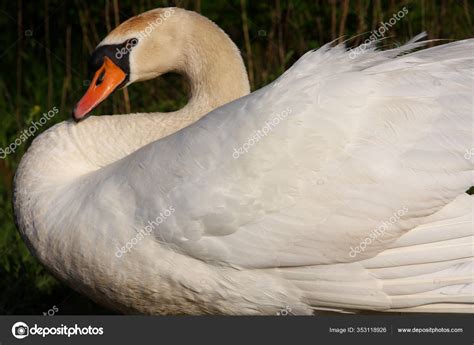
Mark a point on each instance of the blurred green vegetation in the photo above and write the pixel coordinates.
(45, 46)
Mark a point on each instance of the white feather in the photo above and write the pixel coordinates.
(366, 137)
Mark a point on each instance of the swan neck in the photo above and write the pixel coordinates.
(215, 71)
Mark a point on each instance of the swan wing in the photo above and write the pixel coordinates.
(368, 150)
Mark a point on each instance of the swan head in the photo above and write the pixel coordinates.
(157, 42)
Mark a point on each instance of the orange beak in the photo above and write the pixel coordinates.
(107, 78)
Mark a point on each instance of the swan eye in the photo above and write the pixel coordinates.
(100, 79)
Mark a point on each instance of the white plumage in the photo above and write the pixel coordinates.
(364, 139)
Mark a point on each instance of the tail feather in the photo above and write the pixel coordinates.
(429, 269)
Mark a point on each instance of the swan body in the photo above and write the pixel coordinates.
(265, 202)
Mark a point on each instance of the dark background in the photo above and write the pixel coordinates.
(44, 49)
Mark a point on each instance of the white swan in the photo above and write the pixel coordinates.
(341, 185)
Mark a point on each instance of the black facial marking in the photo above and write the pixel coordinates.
(118, 53)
